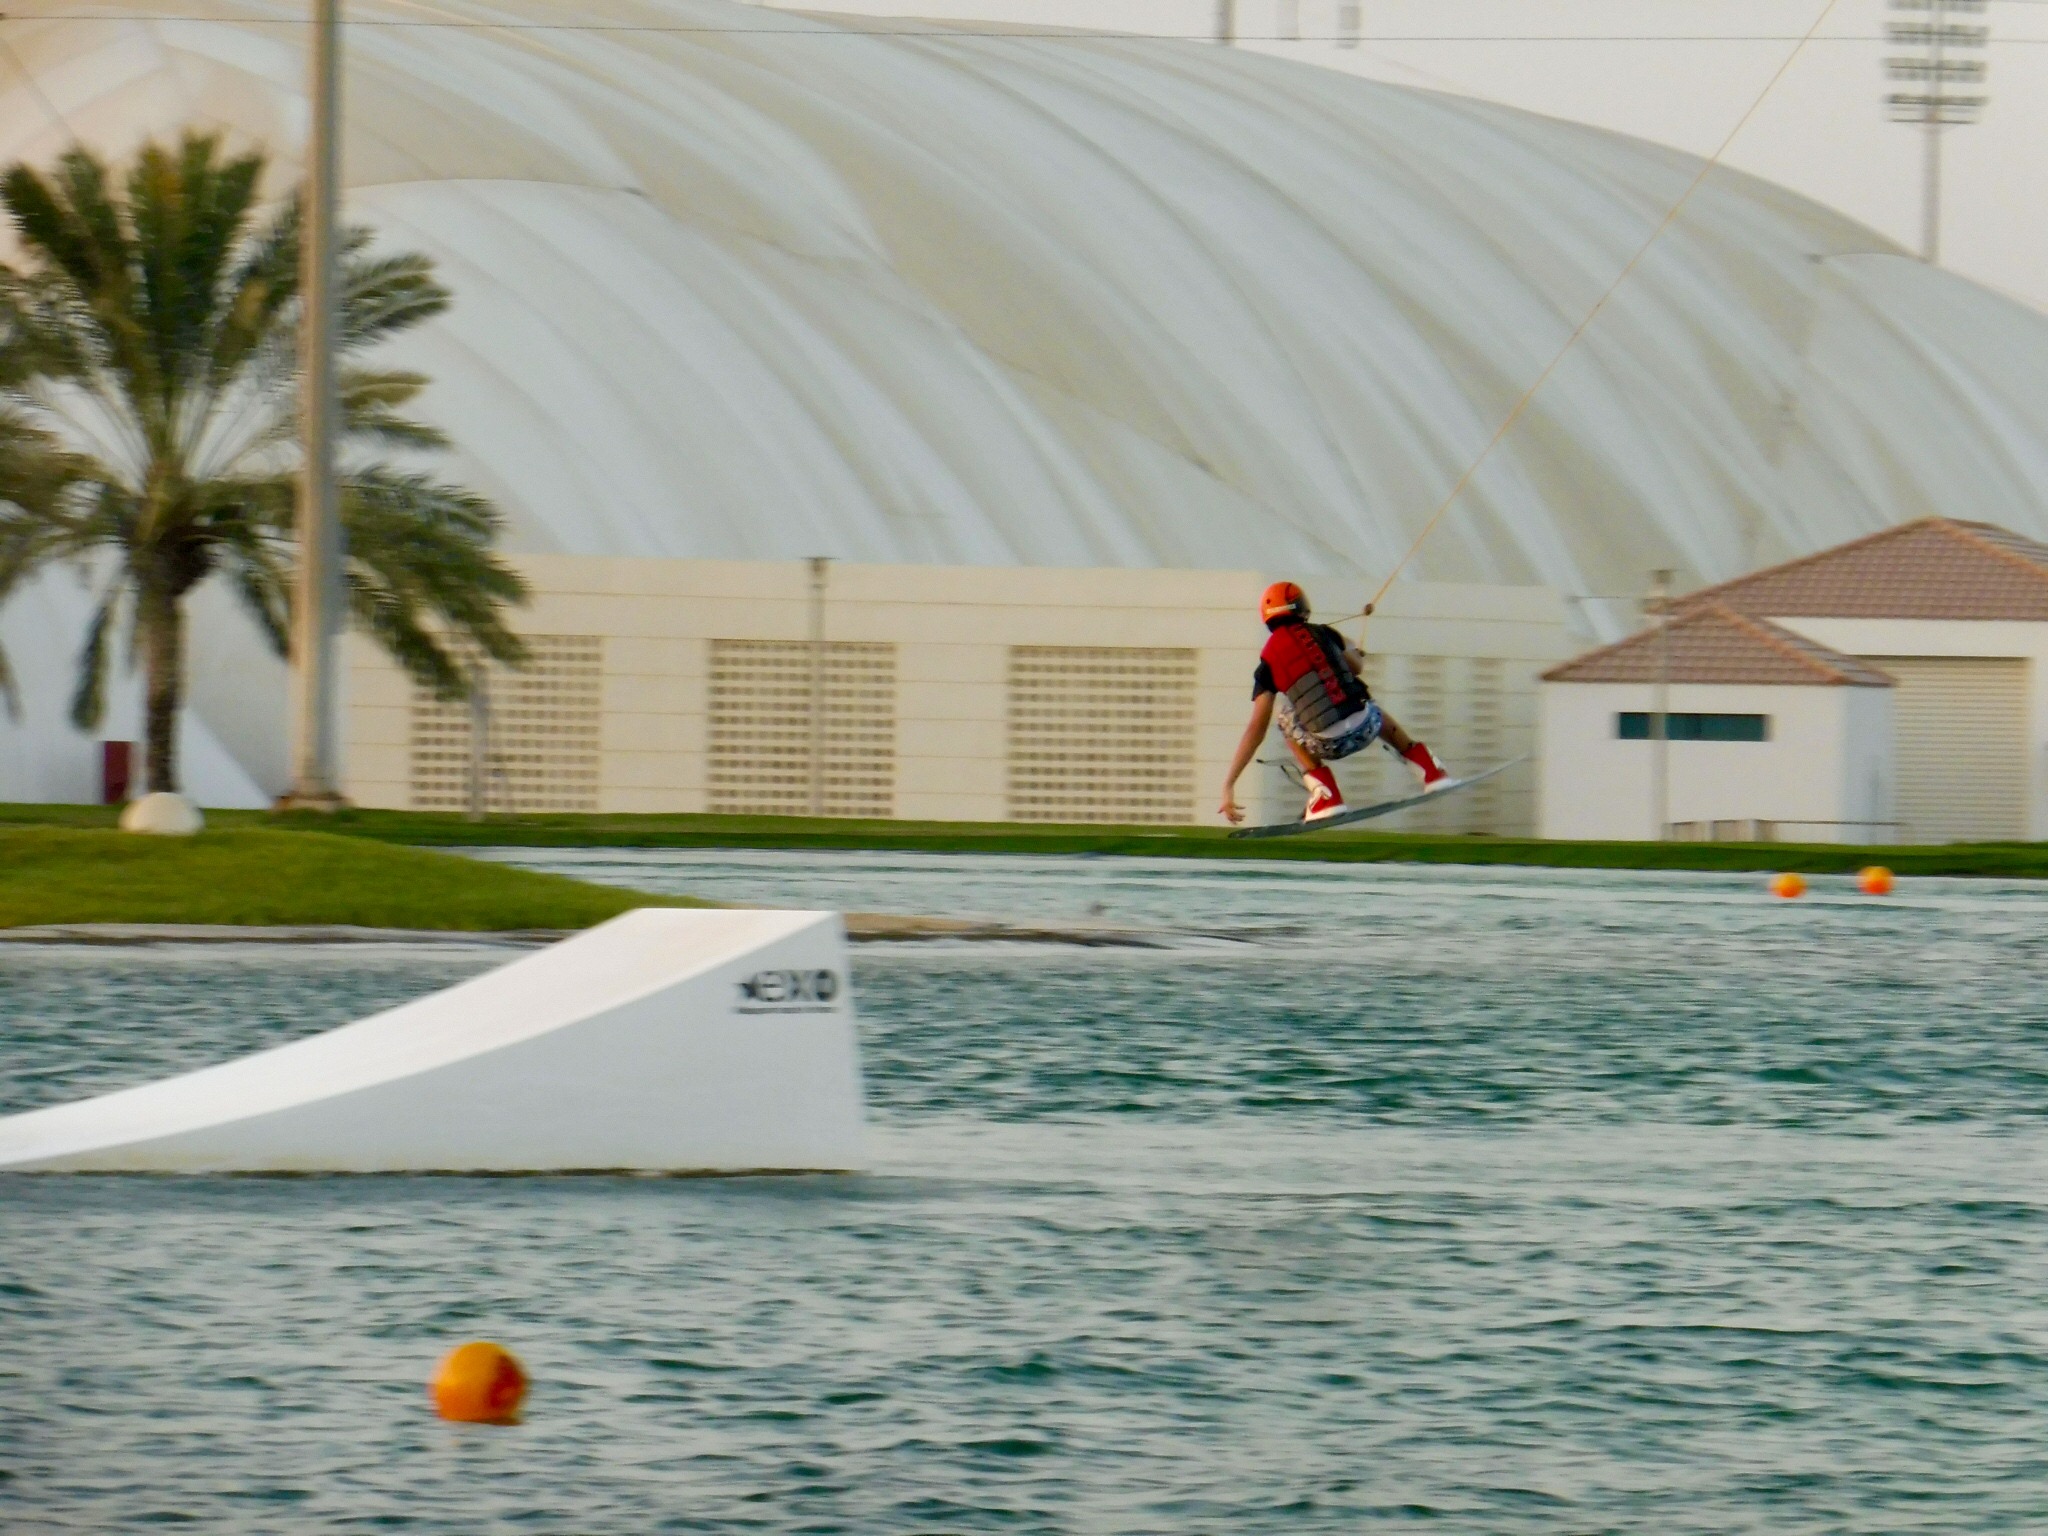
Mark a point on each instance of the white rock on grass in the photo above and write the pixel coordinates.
(163, 815)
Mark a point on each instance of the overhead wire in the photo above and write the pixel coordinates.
(851, 28)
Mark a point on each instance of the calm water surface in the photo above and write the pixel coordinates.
(1486, 1201)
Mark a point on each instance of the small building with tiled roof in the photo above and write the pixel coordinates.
(1713, 644)
(1901, 678)
(1769, 734)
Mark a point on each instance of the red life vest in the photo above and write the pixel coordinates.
(1307, 663)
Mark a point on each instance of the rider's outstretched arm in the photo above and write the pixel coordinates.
(1247, 748)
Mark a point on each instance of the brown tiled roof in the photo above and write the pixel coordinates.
(1712, 643)
(1936, 568)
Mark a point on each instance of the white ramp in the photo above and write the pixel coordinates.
(666, 1040)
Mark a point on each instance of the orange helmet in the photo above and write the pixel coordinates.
(1282, 600)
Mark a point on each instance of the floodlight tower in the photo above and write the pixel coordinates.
(1941, 73)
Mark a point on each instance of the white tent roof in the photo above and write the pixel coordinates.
(751, 284)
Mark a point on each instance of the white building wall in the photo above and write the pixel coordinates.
(1880, 638)
(1826, 762)
(1870, 778)
(952, 629)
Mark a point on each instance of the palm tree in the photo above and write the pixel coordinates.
(149, 421)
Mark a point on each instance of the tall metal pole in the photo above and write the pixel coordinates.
(1930, 199)
(479, 743)
(1930, 191)
(315, 782)
(818, 565)
(1226, 22)
(1660, 717)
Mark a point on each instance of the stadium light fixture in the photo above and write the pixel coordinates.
(317, 592)
(1941, 75)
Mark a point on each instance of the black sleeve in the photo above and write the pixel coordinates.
(1262, 682)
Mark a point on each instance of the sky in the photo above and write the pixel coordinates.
(1680, 72)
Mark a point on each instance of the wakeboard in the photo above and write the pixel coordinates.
(1358, 813)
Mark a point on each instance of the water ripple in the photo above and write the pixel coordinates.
(1516, 1204)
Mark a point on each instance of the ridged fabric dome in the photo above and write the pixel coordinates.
(749, 284)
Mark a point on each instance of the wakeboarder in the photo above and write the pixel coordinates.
(1313, 679)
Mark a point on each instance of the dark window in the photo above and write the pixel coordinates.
(1634, 725)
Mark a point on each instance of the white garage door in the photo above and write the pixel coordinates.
(1962, 757)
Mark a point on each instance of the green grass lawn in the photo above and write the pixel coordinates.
(425, 829)
(257, 876)
(2012, 860)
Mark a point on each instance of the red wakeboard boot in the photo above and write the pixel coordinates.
(1433, 773)
(1324, 797)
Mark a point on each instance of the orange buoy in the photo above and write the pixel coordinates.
(1875, 881)
(1788, 885)
(479, 1383)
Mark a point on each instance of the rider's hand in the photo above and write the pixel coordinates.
(1232, 811)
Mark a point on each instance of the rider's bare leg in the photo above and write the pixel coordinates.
(1302, 755)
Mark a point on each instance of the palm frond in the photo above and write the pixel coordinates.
(253, 529)
(234, 508)
(74, 316)
(38, 476)
(30, 349)
(419, 552)
(50, 325)
(190, 209)
(101, 269)
(396, 625)
(261, 291)
(368, 402)
(89, 699)
(382, 297)
(69, 223)
(262, 580)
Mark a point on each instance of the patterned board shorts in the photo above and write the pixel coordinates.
(1352, 735)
